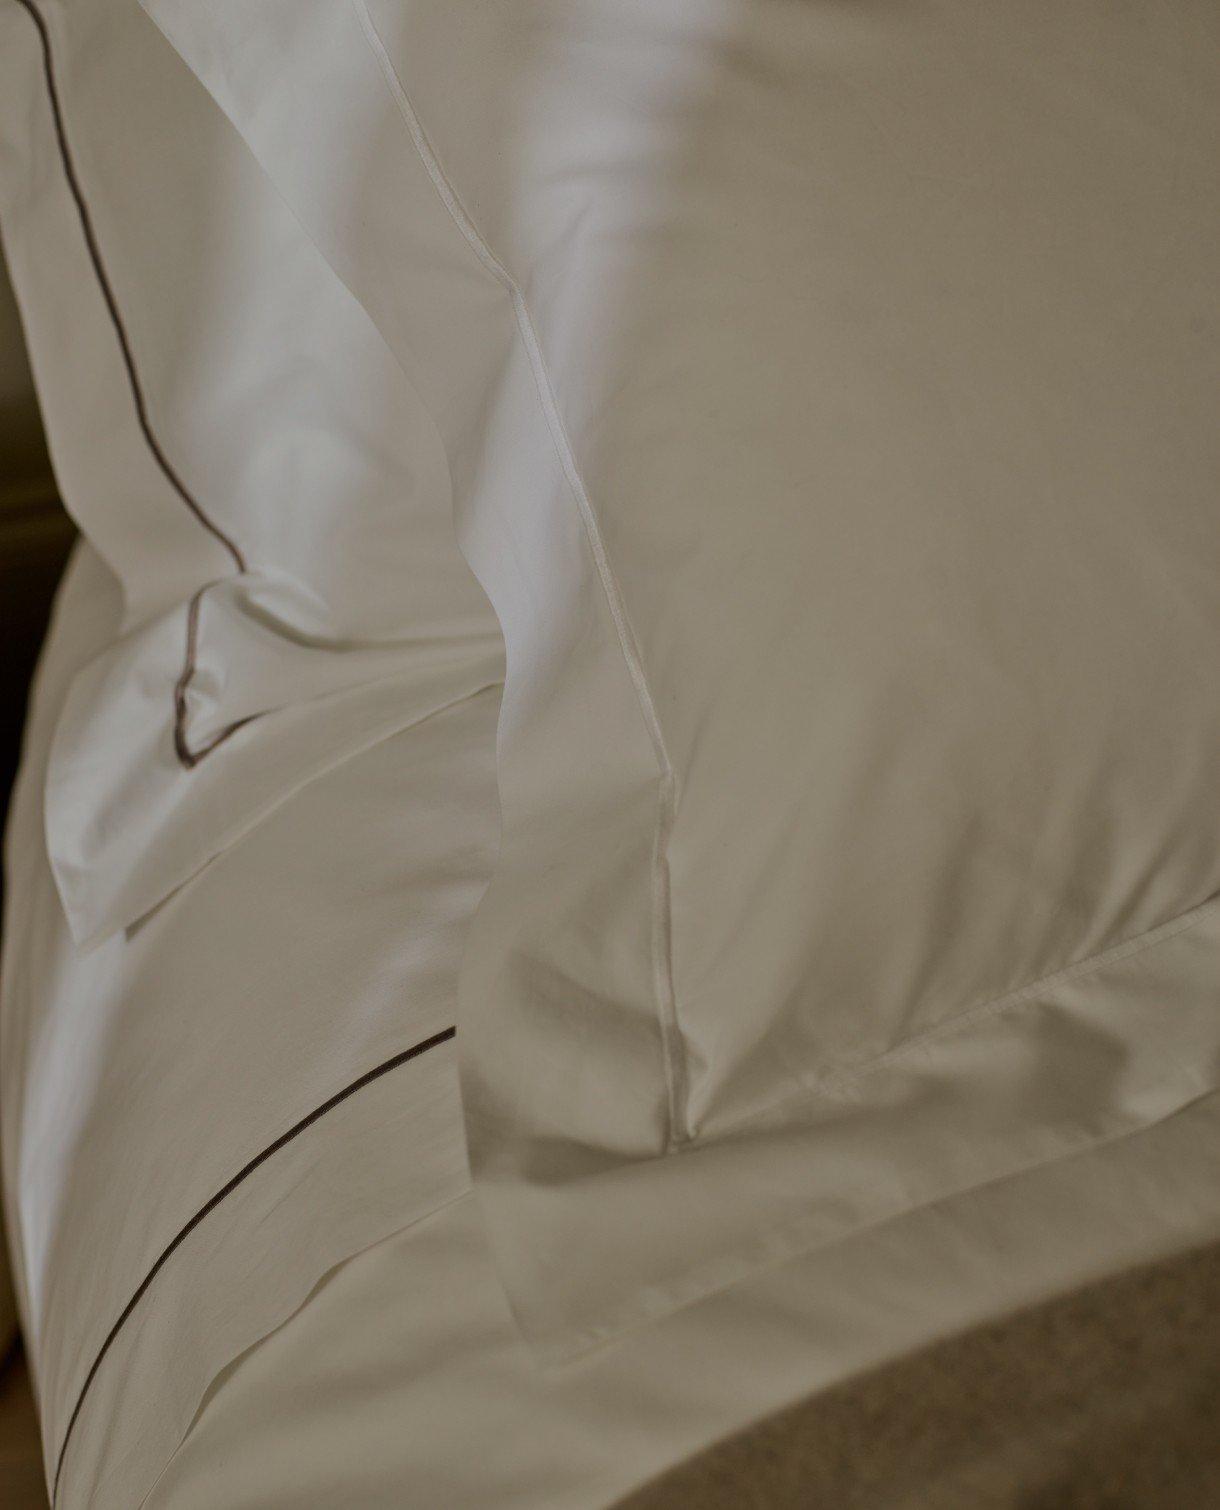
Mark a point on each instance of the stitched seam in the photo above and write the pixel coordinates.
(662, 942)
(1113, 955)
(186, 757)
(846, 1078)
(226, 1190)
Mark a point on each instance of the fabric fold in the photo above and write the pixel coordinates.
(850, 558)
(233, 437)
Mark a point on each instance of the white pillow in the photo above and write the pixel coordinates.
(827, 393)
(230, 431)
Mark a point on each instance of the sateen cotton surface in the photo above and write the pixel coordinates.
(823, 398)
(829, 396)
(140, 1076)
(295, 1419)
(291, 590)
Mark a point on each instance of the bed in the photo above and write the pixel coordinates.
(397, 835)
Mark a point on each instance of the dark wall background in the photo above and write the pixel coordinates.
(35, 535)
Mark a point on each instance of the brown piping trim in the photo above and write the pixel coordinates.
(186, 757)
(226, 1190)
(120, 329)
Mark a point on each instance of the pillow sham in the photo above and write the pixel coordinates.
(827, 394)
(233, 436)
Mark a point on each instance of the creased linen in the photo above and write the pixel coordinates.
(827, 396)
(295, 1421)
(236, 441)
(141, 1076)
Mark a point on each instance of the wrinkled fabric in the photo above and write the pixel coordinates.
(821, 401)
(828, 400)
(291, 587)
(359, 1394)
(139, 1077)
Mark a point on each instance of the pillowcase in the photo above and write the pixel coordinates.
(827, 395)
(233, 436)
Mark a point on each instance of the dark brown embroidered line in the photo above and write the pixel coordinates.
(120, 330)
(186, 756)
(226, 1190)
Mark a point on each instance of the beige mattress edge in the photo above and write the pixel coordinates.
(1107, 1396)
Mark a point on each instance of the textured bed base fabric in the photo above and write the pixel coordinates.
(1107, 1397)
(402, 1380)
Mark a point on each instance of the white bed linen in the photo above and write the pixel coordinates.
(136, 1082)
(235, 440)
(403, 1380)
(141, 1075)
(829, 393)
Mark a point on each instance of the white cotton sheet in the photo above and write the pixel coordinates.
(142, 1075)
(137, 1082)
(403, 1379)
(822, 396)
(238, 444)
(828, 395)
